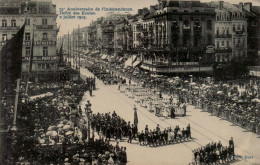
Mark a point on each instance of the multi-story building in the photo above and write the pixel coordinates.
(120, 36)
(223, 32)
(239, 34)
(137, 28)
(253, 30)
(108, 32)
(107, 37)
(94, 36)
(41, 29)
(256, 10)
(181, 36)
(182, 30)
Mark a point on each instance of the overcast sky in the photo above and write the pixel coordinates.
(68, 25)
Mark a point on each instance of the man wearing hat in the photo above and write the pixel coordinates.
(130, 134)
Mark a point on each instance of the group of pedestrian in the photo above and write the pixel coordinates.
(214, 153)
(112, 126)
(96, 152)
(91, 84)
(158, 137)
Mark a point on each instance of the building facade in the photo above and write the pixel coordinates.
(181, 36)
(40, 33)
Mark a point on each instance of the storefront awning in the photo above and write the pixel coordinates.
(104, 56)
(128, 63)
(136, 63)
(134, 57)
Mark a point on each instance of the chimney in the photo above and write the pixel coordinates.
(152, 9)
(145, 10)
(221, 4)
(240, 7)
(140, 11)
(248, 6)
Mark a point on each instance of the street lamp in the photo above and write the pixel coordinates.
(88, 112)
(199, 64)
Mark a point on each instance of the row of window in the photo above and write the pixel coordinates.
(185, 23)
(27, 37)
(226, 17)
(44, 51)
(4, 23)
(239, 53)
(27, 22)
(186, 40)
(239, 27)
(223, 44)
(238, 41)
(43, 66)
(46, 66)
(223, 17)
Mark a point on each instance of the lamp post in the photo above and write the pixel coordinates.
(88, 112)
(199, 63)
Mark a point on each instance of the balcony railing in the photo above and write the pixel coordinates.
(186, 27)
(240, 46)
(9, 27)
(239, 31)
(223, 36)
(44, 26)
(108, 30)
(197, 28)
(223, 50)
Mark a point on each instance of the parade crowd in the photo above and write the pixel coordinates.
(215, 153)
(52, 130)
(237, 101)
(112, 126)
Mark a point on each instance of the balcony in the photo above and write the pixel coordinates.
(197, 28)
(240, 46)
(223, 50)
(9, 27)
(107, 30)
(239, 31)
(223, 36)
(186, 28)
(44, 26)
(45, 39)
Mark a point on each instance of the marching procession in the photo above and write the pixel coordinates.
(112, 126)
(215, 153)
(237, 102)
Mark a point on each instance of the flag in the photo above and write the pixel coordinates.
(31, 58)
(11, 60)
(135, 117)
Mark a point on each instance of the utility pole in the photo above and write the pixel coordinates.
(73, 46)
(68, 46)
(88, 112)
(78, 52)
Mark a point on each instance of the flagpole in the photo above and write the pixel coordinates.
(70, 50)
(78, 52)
(68, 46)
(30, 67)
(16, 103)
(14, 128)
(73, 46)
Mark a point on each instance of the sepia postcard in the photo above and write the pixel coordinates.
(138, 82)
